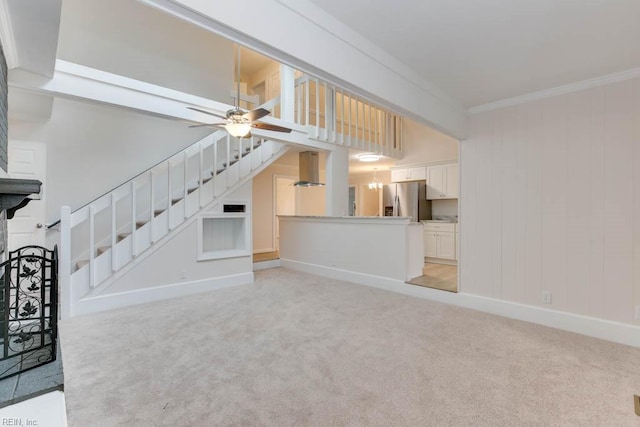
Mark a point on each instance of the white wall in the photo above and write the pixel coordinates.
(91, 149)
(177, 261)
(309, 200)
(551, 202)
(422, 144)
(128, 38)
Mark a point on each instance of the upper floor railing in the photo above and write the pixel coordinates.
(334, 115)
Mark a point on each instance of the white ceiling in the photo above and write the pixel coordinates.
(480, 51)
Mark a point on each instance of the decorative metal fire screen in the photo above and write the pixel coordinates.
(29, 313)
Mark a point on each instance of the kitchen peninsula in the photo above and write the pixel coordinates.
(352, 248)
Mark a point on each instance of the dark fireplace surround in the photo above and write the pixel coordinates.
(14, 193)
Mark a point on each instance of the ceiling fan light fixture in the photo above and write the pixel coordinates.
(369, 157)
(238, 130)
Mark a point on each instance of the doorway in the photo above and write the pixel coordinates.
(27, 160)
(352, 201)
(284, 204)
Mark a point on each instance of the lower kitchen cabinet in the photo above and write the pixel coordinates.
(430, 244)
(440, 241)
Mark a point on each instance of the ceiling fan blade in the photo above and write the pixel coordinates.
(267, 126)
(207, 112)
(256, 114)
(209, 125)
(204, 125)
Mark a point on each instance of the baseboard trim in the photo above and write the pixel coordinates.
(598, 328)
(141, 296)
(339, 274)
(441, 261)
(263, 251)
(264, 265)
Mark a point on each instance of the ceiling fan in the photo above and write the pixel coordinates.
(238, 121)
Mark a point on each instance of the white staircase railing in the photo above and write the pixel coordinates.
(98, 240)
(102, 237)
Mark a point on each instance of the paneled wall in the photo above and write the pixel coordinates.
(551, 202)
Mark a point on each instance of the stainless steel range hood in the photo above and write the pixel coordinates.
(309, 169)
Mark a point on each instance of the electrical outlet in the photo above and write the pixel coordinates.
(637, 316)
(183, 275)
(546, 297)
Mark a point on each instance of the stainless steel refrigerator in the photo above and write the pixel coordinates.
(407, 199)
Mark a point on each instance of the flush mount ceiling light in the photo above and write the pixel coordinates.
(369, 157)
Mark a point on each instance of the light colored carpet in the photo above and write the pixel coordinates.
(296, 349)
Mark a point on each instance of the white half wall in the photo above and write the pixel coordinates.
(551, 203)
(386, 248)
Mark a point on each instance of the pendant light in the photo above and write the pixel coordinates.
(375, 184)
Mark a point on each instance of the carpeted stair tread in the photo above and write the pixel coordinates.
(102, 249)
(122, 236)
(81, 264)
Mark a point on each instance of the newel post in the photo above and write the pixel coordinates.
(287, 93)
(64, 263)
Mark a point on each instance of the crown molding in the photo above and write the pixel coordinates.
(560, 90)
(6, 36)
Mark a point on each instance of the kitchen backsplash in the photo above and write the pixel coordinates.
(448, 218)
(444, 208)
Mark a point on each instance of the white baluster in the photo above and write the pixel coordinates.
(215, 165)
(152, 199)
(350, 121)
(200, 172)
(376, 135)
(133, 218)
(169, 195)
(299, 103)
(317, 108)
(328, 112)
(64, 263)
(92, 247)
(113, 233)
(306, 103)
(184, 183)
(342, 117)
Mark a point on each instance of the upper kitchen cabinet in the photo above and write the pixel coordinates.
(408, 174)
(442, 181)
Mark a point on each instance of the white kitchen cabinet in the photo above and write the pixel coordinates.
(446, 245)
(408, 174)
(442, 181)
(430, 244)
(440, 241)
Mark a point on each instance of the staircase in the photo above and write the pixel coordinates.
(105, 236)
